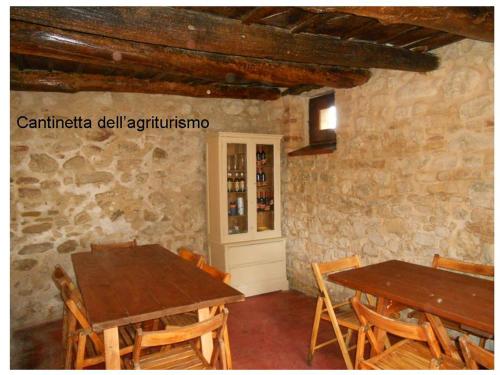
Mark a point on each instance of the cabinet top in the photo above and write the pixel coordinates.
(217, 134)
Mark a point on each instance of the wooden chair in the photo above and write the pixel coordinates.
(474, 269)
(339, 315)
(191, 256)
(83, 347)
(186, 353)
(180, 320)
(418, 350)
(215, 273)
(474, 355)
(464, 267)
(112, 246)
(61, 278)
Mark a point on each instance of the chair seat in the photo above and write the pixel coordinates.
(175, 358)
(127, 335)
(346, 316)
(180, 320)
(408, 355)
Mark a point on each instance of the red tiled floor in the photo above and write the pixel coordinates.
(269, 331)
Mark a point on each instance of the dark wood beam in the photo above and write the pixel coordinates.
(203, 32)
(49, 42)
(471, 22)
(74, 82)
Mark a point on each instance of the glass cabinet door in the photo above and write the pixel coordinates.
(265, 187)
(237, 188)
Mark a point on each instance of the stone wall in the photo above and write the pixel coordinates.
(70, 188)
(412, 174)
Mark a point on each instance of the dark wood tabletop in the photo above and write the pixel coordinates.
(145, 282)
(457, 297)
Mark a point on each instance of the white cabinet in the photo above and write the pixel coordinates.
(244, 210)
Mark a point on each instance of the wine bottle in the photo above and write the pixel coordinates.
(263, 157)
(263, 177)
(229, 182)
(258, 156)
(242, 182)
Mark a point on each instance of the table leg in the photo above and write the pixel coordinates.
(112, 348)
(206, 340)
(442, 336)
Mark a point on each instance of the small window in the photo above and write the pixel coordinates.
(322, 125)
(328, 118)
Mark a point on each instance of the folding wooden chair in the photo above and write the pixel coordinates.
(474, 269)
(464, 267)
(474, 355)
(339, 315)
(186, 353)
(180, 320)
(111, 246)
(419, 349)
(83, 346)
(191, 256)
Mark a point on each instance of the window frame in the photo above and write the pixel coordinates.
(316, 134)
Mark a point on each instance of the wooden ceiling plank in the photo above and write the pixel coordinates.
(470, 22)
(74, 82)
(391, 38)
(49, 42)
(309, 21)
(360, 29)
(259, 13)
(436, 42)
(197, 31)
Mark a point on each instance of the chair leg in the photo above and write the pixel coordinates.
(315, 328)
(80, 351)
(65, 328)
(360, 348)
(227, 351)
(70, 334)
(348, 337)
(340, 337)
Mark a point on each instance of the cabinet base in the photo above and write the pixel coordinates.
(256, 267)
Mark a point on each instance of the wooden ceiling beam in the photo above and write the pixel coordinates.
(74, 82)
(48, 42)
(203, 32)
(470, 22)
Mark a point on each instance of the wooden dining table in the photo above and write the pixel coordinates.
(126, 286)
(463, 299)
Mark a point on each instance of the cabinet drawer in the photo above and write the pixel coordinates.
(256, 253)
(241, 276)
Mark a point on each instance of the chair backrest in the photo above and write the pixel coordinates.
(60, 278)
(181, 334)
(368, 318)
(461, 266)
(191, 256)
(215, 273)
(473, 355)
(112, 246)
(320, 269)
